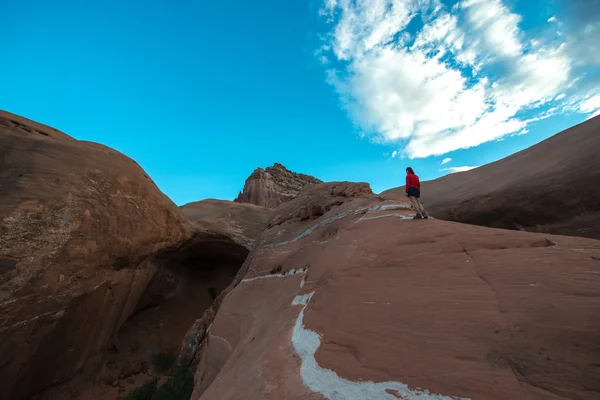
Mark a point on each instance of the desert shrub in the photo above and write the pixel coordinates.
(178, 386)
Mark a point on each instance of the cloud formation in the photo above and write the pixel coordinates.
(459, 169)
(591, 105)
(438, 79)
(445, 161)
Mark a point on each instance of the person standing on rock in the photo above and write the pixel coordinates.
(413, 192)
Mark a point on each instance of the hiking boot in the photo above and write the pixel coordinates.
(425, 215)
(418, 216)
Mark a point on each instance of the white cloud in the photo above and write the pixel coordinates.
(465, 78)
(445, 161)
(590, 105)
(594, 115)
(459, 169)
(496, 27)
(551, 19)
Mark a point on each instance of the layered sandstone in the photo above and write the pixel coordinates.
(356, 300)
(273, 186)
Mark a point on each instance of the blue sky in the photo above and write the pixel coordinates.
(200, 93)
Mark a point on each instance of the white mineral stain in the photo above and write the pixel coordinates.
(327, 383)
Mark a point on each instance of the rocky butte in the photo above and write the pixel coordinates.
(334, 293)
(273, 186)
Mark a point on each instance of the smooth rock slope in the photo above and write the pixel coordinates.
(551, 187)
(78, 221)
(95, 260)
(273, 186)
(346, 296)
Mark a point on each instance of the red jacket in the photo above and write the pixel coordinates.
(412, 181)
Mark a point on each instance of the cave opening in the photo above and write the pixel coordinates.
(187, 282)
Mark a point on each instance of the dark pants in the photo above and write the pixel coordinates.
(414, 192)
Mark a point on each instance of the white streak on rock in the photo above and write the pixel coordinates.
(222, 339)
(26, 321)
(327, 383)
(401, 216)
(280, 275)
(302, 300)
(321, 223)
(387, 207)
(310, 230)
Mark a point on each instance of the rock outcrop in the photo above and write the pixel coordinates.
(241, 222)
(78, 222)
(273, 186)
(188, 280)
(551, 187)
(336, 293)
(98, 268)
(345, 296)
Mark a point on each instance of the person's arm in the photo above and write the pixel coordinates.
(407, 182)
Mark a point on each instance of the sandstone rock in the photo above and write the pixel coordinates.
(98, 266)
(240, 221)
(80, 225)
(273, 186)
(16, 123)
(551, 187)
(363, 302)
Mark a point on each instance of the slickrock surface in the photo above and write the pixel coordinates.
(356, 300)
(342, 296)
(551, 187)
(273, 186)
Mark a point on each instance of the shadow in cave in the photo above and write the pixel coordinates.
(188, 281)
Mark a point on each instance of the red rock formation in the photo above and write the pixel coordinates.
(78, 221)
(273, 186)
(88, 242)
(240, 221)
(358, 300)
(190, 279)
(552, 187)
